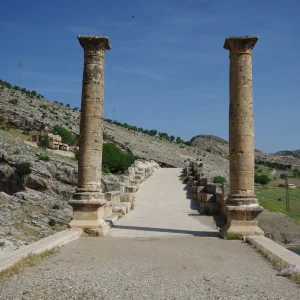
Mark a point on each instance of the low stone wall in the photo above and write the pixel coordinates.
(121, 202)
(211, 196)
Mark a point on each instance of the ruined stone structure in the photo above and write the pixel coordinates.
(210, 196)
(242, 205)
(90, 205)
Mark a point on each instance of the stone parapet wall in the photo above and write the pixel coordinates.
(120, 202)
(211, 196)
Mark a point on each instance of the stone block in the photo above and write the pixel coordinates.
(127, 197)
(130, 189)
(113, 196)
(107, 209)
(119, 209)
(209, 198)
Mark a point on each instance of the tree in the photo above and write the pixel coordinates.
(219, 179)
(68, 105)
(66, 135)
(44, 140)
(261, 179)
(23, 170)
(172, 138)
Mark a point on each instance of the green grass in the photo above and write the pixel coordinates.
(268, 198)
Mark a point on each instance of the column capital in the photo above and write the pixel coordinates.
(101, 42)
(240, 44)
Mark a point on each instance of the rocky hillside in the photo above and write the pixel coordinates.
(39, 114)
(35, 206)
(219, 146)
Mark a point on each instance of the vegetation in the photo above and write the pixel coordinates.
(30, 261)
(17, 151)
(44, 140)
(67, 136)
(14, 101)
(23, 169)
(151, 132)
(273, 165)
(52, 222)
(115, 159)
(261, 178)
(22, 90)
(5, 127)
(43, 106)
(269, 199)
(44, 157)
(105, 170)
(219, 179)
(232, 236)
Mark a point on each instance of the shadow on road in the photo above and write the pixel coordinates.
(152, 229)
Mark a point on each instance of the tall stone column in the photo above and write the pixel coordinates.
(241, 205)
(88, 201)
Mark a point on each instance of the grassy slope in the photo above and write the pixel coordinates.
(268, 198)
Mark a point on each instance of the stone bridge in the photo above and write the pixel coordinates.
(163, 249)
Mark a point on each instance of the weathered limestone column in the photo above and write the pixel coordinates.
(88, 201)
(242, 205)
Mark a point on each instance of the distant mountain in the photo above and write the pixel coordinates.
(295, 153)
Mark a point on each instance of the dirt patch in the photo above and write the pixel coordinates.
(280, 228)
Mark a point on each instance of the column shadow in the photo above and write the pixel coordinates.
(152, 229)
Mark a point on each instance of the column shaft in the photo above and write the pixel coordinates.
(242, 206)
(88, 201)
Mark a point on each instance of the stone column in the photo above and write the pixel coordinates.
(241, 205)
(88, 201)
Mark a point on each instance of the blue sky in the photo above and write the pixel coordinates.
(167, 68)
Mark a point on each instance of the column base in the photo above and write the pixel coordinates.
(88, 212)
(242, 220)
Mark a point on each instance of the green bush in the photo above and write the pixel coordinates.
(113, 157)
(44, 140)
(6, 127)
(105, 170)
(66, 135)
(25, 132)
(76, 153)
(17, 151)
(14, 101)
(261, 179)
(43, 106)
(44, 157)
(23, 169)
(219, 179)
(52, 222)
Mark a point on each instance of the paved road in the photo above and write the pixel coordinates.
(167, 253)
(164, 208)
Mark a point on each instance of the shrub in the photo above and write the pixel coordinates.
(17, 151)
(55, 206)
(208, 150)
(43, 106)
(14, 101)
(44, 140)
(5, 127)
(105, 170)
(66, 135)
(219, 179)
(23, 169)
(25, 132)
(261, 179)
(76, 153)
(113, 157)
(52, 222)
(281, 185)
(44, 157)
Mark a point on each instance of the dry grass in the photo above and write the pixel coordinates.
(30, 261)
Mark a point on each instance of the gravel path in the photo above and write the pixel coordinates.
(164, 260)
